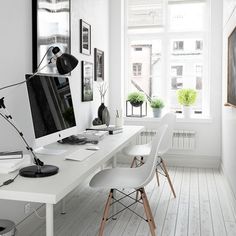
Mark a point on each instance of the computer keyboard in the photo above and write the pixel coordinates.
(80, 155)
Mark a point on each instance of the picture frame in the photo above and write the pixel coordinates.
(87, 81)
(231, 80)
(98, 65)
(46, 35)
(85, 38)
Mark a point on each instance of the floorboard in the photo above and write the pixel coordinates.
(201, 208)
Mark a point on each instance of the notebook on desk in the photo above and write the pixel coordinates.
(80, 155)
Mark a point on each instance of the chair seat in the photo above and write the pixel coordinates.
(119, 178)
(138, 150)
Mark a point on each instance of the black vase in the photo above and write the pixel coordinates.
(100, 110)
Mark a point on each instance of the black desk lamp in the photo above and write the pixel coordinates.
(65, 64)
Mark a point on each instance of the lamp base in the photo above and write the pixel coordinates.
(38, 171)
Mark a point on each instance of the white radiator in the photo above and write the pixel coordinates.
(181, 140)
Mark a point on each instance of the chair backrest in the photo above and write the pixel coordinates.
(168, 119)
(148, 168)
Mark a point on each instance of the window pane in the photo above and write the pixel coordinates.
(186, 16)
(145, 13)
(145, 66)
(186, 69)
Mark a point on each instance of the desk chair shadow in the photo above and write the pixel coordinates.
(139, 152)
(130, 178)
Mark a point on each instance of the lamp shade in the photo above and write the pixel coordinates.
(65, 62)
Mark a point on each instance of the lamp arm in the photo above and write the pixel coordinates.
(44, 57)
(9, 119)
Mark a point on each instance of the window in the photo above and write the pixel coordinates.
(178, 45)
(199, 45)
(176, 77)
(199, 74)
(167, 49)
(137, 69)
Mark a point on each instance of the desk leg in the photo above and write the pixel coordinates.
(114, 209)
(63, 206)
(49, 220)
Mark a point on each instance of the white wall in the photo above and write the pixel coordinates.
(228, 113)
(208, 140)
(116, 74)
(16, 61)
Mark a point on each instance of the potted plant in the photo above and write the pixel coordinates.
(187, 97)
(157, 105)
(136, 99)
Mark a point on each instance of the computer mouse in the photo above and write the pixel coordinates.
(93, 148)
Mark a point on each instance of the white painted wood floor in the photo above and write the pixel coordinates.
(201, 208)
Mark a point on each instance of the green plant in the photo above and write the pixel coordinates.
(157, 103)
(187, 97)
(136, 97)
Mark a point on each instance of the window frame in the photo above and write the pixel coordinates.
(166, 36)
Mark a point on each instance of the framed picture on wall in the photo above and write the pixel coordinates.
(231, 88)
(87, 81)
(98, 65)
(46, 19)
(85, 38)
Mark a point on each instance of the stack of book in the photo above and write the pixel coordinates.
(111, 129)
(11, 161)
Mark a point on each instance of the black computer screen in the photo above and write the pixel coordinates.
(51, 104)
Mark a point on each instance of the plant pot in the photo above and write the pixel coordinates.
(156, 112)
(187, 111)
(136, 104)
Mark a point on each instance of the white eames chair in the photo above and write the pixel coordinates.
(143, 150)
(130, 178)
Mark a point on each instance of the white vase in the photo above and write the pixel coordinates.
(156, 112)
(187, 111)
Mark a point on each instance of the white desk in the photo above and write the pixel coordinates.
(50, 190)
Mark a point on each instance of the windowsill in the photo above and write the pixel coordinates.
(180, 119)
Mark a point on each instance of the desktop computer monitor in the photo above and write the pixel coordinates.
(51, 108)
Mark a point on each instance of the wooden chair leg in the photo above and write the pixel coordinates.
(168, 177)
(105, 214)
(157, 175)
(147, 212)
(149, 208)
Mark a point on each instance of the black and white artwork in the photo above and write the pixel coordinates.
(85, 38)
(51, 27)
(87, 81)
(231, 88)
(98, 65)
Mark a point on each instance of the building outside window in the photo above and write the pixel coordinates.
(166, 49)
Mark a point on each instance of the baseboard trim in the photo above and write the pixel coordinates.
(183, 160)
